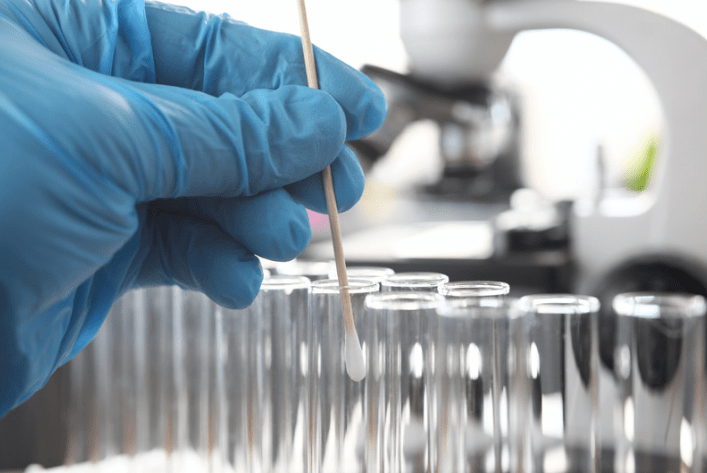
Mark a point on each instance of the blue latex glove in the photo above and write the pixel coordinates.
(145, 144)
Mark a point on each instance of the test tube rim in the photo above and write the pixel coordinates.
(378, 273)
(558, 304)
(462, 289)
(322, 267)
(356, 286)
(404, 301)
(278, 282)
(662, 305)
(416, 279)
(461, 308)
(268, 264)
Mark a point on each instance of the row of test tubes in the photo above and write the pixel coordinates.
(460, 378)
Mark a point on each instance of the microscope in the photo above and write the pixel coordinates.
(453, 56)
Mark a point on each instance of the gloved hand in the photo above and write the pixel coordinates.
(145, 144)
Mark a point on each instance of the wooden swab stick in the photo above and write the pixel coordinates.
(355, 363)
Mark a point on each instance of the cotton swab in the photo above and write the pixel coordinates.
(355, 362)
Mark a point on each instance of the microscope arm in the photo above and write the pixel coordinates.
(670, 216)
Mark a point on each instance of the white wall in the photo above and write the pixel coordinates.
(365, 31)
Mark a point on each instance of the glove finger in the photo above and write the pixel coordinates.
(271, 225)
(107, 37)
(349, 184)
(216, 54)
(198, 255)
(237, 146)
(157, 141)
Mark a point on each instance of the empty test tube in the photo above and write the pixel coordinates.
(474, 385)
(475, 291)
(155, 413)
(121, 386)
(269, 266)
(82, 434)
(311, 269)
(194, 379)
(414, 281)
(373, 273)
(558, 357)
(262, 364)
(108, 384)
(660, 375)
(399, 336)
(122, 343)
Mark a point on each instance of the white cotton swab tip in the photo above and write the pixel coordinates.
(355, 362)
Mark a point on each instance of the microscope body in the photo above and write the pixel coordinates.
(624, 240)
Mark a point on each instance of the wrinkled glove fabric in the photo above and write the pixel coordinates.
(146, 144)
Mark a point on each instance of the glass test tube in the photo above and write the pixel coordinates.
(120, 372)
(659, 369)
(337, 424)
(474, 291)
(414, 281)
(560, 353)
(269, 266)
(262, 366)
(398, 383)
(474, 382)
(158, 386)
(119, 384)
(194, 381)
(372, 273)
(106, 420)
(312, 270)
(82, 419)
